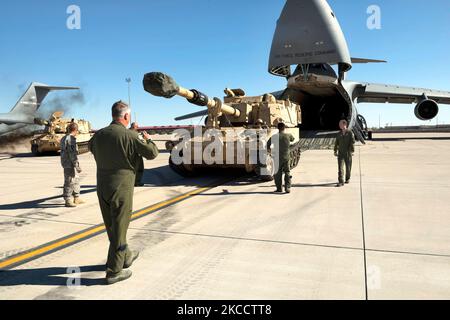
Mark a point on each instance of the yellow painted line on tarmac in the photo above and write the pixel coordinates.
(48, 248)
(38, 252)
(169, 202)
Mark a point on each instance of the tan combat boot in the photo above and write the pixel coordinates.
(70, 204)
(77, 201)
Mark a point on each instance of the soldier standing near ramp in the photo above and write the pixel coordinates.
(139, 166)
(116, 150)
(283, 140)
(344, 149)
(69, 161)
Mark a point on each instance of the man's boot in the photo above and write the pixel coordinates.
(70, 204)
(129, 261)
(77, 201)
(121, 276)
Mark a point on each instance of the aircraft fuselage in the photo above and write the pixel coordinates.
(323, 98)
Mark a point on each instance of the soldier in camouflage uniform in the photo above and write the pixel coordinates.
(139, 166)
(116, 150)
(283, 140)
(344, 149)
(69, 161)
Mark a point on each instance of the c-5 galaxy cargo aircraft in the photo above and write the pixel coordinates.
(24, 112)
(309, 36)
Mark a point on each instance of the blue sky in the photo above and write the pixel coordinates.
(209, 45)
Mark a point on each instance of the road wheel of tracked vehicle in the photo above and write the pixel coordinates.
(180, 169)
(35, 150)
(170, 145)
(266, 171)
(83, 148)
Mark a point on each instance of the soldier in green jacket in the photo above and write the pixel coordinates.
(283, 140)
(116, 150)
(344, 148)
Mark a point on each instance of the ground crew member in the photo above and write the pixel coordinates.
(116, 150)
(139, 166)
(283, 140)
(344, 148)
(69, 161)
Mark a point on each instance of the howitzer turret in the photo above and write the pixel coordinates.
(241, 120)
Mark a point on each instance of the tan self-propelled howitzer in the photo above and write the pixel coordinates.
(55, 129)
(240, 120)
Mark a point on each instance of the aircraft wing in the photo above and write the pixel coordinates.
(382, 93)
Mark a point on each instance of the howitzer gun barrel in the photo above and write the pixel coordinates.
(162, 85)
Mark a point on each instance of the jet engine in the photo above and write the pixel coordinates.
(426, 109)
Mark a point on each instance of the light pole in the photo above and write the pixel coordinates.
(128, 80)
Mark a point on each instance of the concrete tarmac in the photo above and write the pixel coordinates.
(386, 235)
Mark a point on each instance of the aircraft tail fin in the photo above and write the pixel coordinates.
(33, 97)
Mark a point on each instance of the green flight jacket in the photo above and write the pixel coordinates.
(345, 144)
(116, 151)
(284, 143)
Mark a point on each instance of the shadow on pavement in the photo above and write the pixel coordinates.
(225, 192)
(304, 185)
(38, 203)
(23, 155)
(323, 185)
(49, 276)
(166, 177)
(30, 155)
